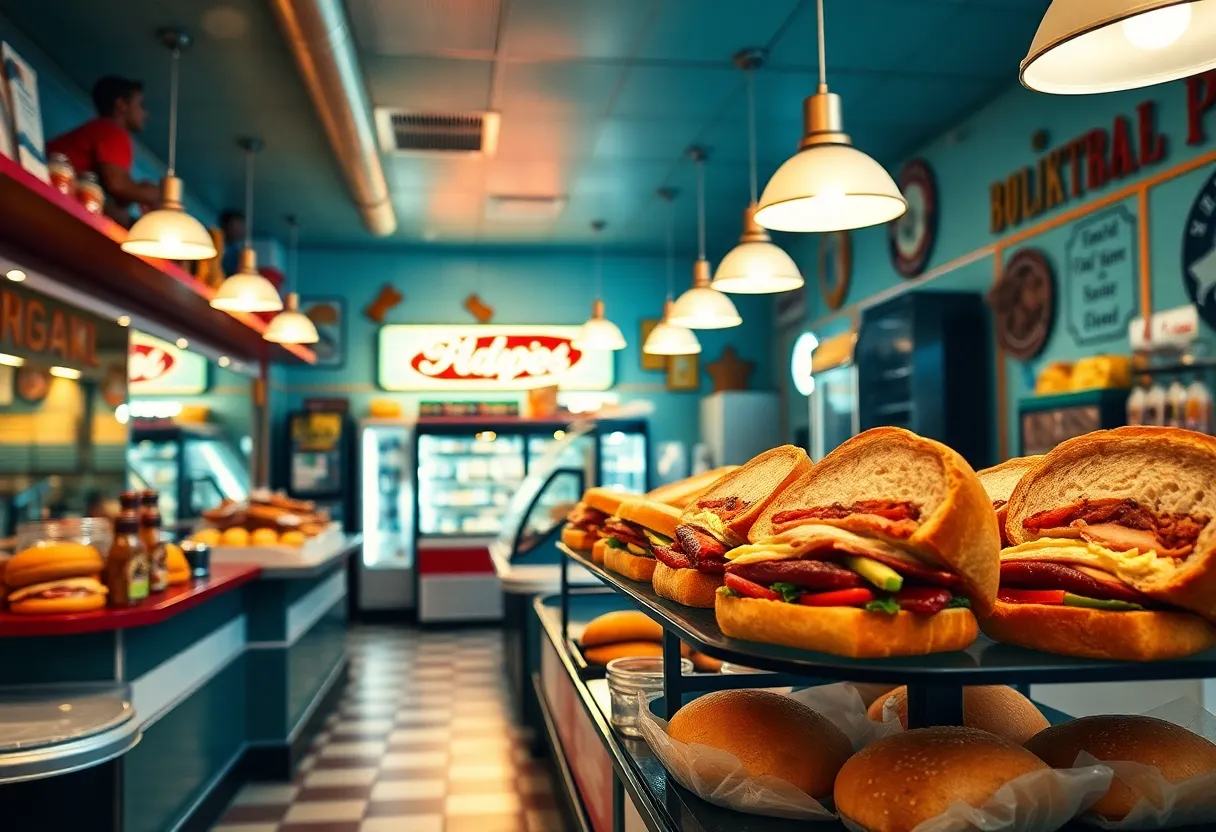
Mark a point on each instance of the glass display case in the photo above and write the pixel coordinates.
(466, 482)
(624, 459)
(194, 467)
(387, 494)
(834, 414)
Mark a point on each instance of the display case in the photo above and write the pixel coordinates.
(194, 467)
(834, 415)
(386, 500)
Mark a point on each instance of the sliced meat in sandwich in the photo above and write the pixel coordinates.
(585, 522)
(999, 482)
(1113, 552)
(632, 535)
(690, 570)
(880, 550)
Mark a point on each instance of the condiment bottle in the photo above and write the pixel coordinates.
(62, 174)
(1135, 406)
(1199, 407)
(126, 565)
(90, 194)
(1175, 404)
(150, 536)
(1154, 405)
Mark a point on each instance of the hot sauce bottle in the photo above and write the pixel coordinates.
(126, 564)
(150, 536)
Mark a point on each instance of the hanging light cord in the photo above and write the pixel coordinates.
(751, 130)
(177, 54)
(599, 261)
(293, 238)
(700, 209)
(670, 251)
(823, 60)
(249, 198)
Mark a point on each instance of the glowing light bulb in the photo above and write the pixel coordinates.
(1159, 28)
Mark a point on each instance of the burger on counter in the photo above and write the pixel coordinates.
(997, 709)
(56, 578)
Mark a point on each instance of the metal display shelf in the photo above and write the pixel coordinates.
(935, 682)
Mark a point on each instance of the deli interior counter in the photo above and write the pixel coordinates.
(179, 700)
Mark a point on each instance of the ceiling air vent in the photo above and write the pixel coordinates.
(524, 208)
(409, 132)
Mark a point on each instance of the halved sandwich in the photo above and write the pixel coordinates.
(682, 492)
(1113, 552)
(630, 537)
(690, 570)
(882, 549)
(585, 522)
(999, 482)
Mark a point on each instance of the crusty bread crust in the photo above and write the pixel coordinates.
(605, 499)
(844, 631)
(632, 566)
(958, 528)
(682, 492)
(618, 626)
(621, 650)
(689, 587)
(577, 539)
(40, 564)
(1169, 469)
(1000, 480)
(1099, 634)
(58, 606)
(658, 517)
(599, 550)
(757, 483)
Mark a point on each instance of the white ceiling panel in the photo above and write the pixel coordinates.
(425, 27)
(591, 29)
(443, 84)
(563, 89)
(652, 91)
(524, 136)
(649, 139)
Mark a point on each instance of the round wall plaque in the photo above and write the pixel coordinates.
(835, 267)
(911, 237)
(1023, 304)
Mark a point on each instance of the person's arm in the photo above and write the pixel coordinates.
(118, 184)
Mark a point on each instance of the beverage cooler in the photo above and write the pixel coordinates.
(833, 397)
(468, 472)
(320, 462)
(386, 456)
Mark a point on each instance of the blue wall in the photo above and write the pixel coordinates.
(989, 147)
(554, 287)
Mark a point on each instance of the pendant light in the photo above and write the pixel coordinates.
(1092, 46)
(829, 185)
(291, 326)
(756, 266)
(169, 232)
(667, 338)
(702, 306)
(599, 333)
(247, 290)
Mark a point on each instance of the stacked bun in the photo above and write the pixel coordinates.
(616, 635)
(55, 578)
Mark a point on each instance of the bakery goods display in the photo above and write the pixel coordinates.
(997, 709)
(882, 549)
(265, 519)
(690, 569)
(1112, 554)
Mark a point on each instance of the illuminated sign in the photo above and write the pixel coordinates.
(520, 357)
(158, 368)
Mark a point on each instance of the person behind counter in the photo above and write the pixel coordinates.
(103, 146)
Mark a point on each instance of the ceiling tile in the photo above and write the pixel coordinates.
(984, 42)
(674, 92)
(569, 89)
(421, 173)
(915, 103)
(713, 30)
(428, 83)
(425, 27)
(646, 139)
(575, 28)
(522, 136)
(538, 178)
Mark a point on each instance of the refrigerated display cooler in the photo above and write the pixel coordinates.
(469, 472)
(193, 466)
(386, 457)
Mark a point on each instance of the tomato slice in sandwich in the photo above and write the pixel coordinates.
(750, 589)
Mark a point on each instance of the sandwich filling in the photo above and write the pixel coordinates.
(842, 556)
(632, 537)
(1098, 554)
(702, 542)
(587, 519)
(65, 588)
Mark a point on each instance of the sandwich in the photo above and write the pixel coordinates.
(66, 595)
(997, 709)
(1177, 755)
(1112, 553)
(882, 549)
(770, 734)
(690, 569)
(682, 492)
(586, 520)
(898, 783)
(999, 482)
(56, 578)
(630, 537)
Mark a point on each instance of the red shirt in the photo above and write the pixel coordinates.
(93, 143)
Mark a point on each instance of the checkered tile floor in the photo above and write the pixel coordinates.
(421, 742)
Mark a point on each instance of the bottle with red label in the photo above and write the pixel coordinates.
(1175, 404)
(1154, 404)
(1198, 407)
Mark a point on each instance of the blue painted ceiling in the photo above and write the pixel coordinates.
(598, 99)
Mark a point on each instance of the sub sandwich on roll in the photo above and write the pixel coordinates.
(690, 569)
(999, 482)
(585, 523)
(630, 536)
(880, 550)
(682, 492)
(1113, 554)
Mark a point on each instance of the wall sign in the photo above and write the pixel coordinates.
(835, 267)
(1023, 304)
(519, 357)
(1199, 252)
(911, 237)
(1100, 275)
(158, 368)
(34, 326)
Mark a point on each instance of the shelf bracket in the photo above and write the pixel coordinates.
(673, 675)
(930, 705)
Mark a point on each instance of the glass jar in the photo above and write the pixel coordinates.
(90, 194)
(62, 174)
(627, 678)
(97, 532)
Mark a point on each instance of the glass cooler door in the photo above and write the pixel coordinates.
(466, 482)
(576, 455)
(156, 462)
(388, 498)
(833, 410)
(623, 461)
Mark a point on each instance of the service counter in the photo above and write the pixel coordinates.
(227, 680)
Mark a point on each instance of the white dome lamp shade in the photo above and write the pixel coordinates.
(1095, 46)
(291, 326)
(668, 339)
(755, 266)
(829, 185)
(599, 333)
(247, 290)
(702, 306)
(169, 232)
